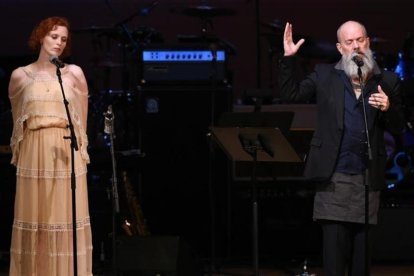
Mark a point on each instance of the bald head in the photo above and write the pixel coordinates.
(353, 39)
(350, 27)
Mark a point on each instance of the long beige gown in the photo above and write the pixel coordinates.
(42, 229)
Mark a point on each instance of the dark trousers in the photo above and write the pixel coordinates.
(344, 248)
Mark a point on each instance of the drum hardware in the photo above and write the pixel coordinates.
(205, 36)
(304, 271)
(94, 30)
(313, 47)
(203, 11)
(210, 39)
(141, 12)
(146, 35)
(402, 166)
(258, 97)
(377, 40)
(122, 100)
(274, 25)
(108, 64)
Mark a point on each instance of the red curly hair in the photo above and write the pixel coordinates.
(44, 27)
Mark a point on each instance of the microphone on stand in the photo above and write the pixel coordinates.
(56, 61)
(109, 117)
(357, 59)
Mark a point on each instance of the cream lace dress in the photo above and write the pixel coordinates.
(42, 229)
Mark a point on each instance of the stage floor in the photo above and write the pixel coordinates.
(397, 268)
(376, 270)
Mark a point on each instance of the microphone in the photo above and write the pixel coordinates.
(266, 145)
(357, 59)
(109, 117)
(56, 61)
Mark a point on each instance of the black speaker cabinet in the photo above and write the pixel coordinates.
(155, 255)
(174, 124)
(183, 105)
(393, 236)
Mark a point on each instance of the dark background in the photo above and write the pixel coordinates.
(180, 179)
(389, 22)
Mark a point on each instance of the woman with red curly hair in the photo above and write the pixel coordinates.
(42, 228)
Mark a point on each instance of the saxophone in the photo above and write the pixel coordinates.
(137, 224)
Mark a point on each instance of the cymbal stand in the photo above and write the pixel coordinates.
(258, 44)
(109, 129)
(126, 41)
(127, 34)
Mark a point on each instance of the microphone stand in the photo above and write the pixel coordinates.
(73, 147)
(109, 129)
(366, 182)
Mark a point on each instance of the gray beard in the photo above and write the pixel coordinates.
(351, 69)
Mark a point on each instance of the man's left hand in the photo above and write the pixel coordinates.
(379, 100)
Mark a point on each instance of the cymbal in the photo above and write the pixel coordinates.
(377, 39)
(272, 35)
(275, 24)
(208, 38)
(318, 48)
(109, 64)
(93, 29)
(203, 11)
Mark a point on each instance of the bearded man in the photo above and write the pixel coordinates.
(356, 102)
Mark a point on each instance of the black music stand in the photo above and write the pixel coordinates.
(228, 139)
(280, 119)
(272, 147)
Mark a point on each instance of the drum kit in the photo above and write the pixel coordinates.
(124, 100)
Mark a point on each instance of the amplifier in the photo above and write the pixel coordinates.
(177, 65)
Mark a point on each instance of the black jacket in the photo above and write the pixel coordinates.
(327, 86)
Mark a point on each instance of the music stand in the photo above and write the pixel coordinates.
(228, 140)
(273, 147)
(280, 119)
